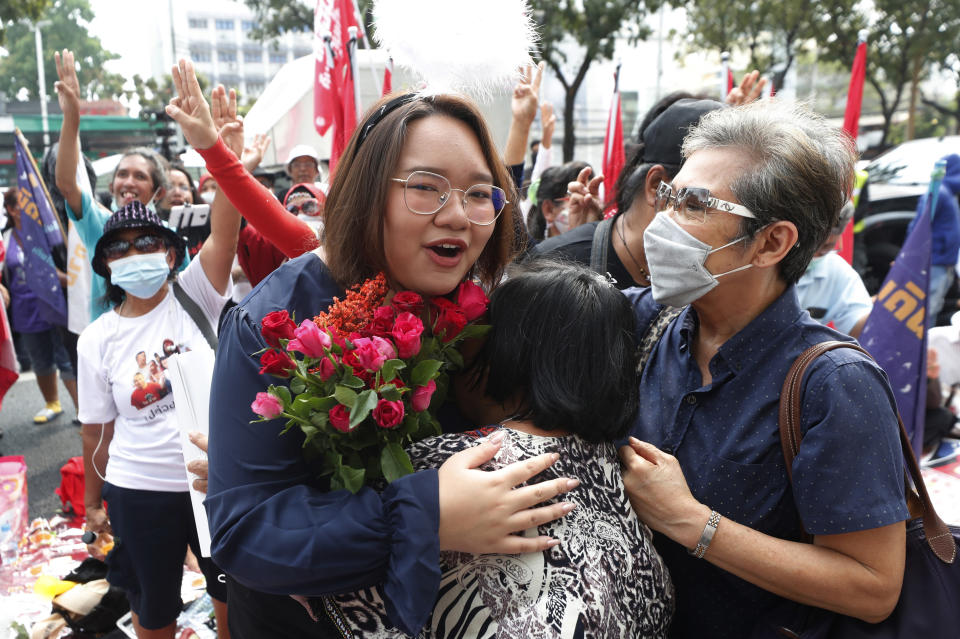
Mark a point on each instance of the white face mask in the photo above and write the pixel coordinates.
(676, 261)
(562, 221)
(207, 196)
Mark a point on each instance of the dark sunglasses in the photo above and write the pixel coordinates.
(143, 243)
(308, 207)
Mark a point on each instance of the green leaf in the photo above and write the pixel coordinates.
(282, 393)
(473, 331)
(322, 404)
(349, 477)
(395, 462)
(319, 419)
(301, 406)
(390, 392)
(297, 386)
(345, 396)
(390, 368)
(351, 380)
(310, 432)
(456, 359)
(425, 371)
(366, 402)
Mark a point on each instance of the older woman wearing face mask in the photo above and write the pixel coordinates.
(758, 194)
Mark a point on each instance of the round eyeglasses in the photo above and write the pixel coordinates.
(691, 203)
(425, 193)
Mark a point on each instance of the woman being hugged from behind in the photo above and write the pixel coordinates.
(419, 196)
(556, 375)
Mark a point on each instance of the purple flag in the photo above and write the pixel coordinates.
(896, 332)
(40, 232)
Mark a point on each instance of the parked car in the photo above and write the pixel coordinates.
(895, 183)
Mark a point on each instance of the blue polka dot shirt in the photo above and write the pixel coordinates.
(848, 475)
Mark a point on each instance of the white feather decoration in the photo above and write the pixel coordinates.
(474, 47)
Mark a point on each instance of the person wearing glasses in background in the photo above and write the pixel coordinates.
(419, 194)
(759, 192)
(131, 439)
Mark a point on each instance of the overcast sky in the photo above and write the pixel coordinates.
(119, 29)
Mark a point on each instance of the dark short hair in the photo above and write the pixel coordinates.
(553, 185)
(563, 340)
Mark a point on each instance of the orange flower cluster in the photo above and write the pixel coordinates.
(355, 310)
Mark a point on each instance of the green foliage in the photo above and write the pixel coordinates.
(905, 40)
(68, 28)
(594, 27)
(276, 17)
(16, 10)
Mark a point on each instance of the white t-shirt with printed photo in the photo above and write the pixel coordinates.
(145, 453)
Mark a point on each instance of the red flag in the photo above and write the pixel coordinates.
(851, 124)
(387, 77)
(8, 358)
(730, 81)
(613, 155)
(333, 97)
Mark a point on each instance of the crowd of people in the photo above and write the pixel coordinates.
(611, 463)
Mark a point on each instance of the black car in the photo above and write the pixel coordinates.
(895, 183)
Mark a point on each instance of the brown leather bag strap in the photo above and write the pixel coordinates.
(938, 535)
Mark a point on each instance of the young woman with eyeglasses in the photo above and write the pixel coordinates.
(131, 439)
(420, 195)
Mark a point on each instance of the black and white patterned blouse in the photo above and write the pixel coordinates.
(605, 579)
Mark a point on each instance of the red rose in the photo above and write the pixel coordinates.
(447, 318)
(276, 326)
(340, 418)
(382, 321)
(472, 300)
(388, 414)
(422, 396)
(406, 333)
(407, 302)
(326, 369)
(274, 363)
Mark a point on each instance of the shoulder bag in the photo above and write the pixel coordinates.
(929, 604)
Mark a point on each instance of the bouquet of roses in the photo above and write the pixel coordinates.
(366, 378)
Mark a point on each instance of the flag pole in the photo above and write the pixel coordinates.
(352, 60)
(724, 73)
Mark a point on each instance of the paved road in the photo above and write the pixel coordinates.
(46, 447)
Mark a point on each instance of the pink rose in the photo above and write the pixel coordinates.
(407, 302)
(472, 300)
(326, 369)
(340, 418)
(421, 397)
(406, 333)
(382, 321)
(372, 352)
(267, 406)
(310, 340)
(388, 414)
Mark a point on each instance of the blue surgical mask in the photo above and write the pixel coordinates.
(140, 275)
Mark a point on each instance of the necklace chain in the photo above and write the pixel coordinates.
(643, 272)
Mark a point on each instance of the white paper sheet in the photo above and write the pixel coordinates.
(191, 374)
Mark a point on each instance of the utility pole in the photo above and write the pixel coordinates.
(42, 82)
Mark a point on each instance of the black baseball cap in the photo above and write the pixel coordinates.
(663, 137)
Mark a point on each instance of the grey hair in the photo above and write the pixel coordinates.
(801, 171)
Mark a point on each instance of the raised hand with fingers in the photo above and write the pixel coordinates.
(68, 86)
(585, 205)
(749, 90)
(199, 467)
(526, 94)
(548, 122)
(189, 109)
(480, 510)
(223, 106)
(253, 154)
